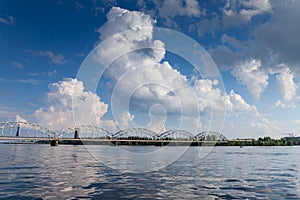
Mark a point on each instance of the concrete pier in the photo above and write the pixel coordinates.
(18, 131)
(76, 135)
(54, 142)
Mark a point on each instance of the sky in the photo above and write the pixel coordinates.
(230, 66)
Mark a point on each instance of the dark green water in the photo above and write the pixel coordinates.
(71, 172)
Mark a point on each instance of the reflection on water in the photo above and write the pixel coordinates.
(44, 172)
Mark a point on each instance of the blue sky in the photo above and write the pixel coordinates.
(254, 45)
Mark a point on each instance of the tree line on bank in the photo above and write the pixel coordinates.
(265, 141)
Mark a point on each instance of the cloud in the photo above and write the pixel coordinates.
(68, 105)
(78, 5)
(270, 127)
(133, 70)
(168, 10)
(211, 97)
(286, 83)
(9, 20)
(239, 106)
(206, 26)
(279, 38)
(225, 57)
(26, 81)
(272, 39)
(20, 119)
(236, 10)
(7, 114)
(230, 13)
(250, 74)
(140, 66)
(126, 120)
(30, 81)
(230, 52)
(171, 8)
(139, 29)
(52, 73)
(284, 105)
(55, 58)
(251, 126)
(109, 125)
(232, 42)
(296, 121)
(119, 20)
(17, 64)
(144, 79)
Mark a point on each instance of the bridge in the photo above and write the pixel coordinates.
(88, 134)
(32, 130)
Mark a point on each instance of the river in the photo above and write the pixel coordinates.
(30, 171)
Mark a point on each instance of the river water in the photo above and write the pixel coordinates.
(29, 171)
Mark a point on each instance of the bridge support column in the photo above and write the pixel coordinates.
(54, 142)
(76, 135)
(18, 131)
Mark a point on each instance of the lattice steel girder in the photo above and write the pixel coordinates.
(28, 125)
(177, 134)
(214, 135)
(83, 129)
(135, 132)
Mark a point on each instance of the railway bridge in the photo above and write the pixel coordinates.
(89, 134)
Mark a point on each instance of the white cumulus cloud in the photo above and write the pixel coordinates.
(286, 83)
(269, 126)
(144, 79)
(125, 120)
(20, 119)
(250, 74)
(67, 101)
(141, 70)
(210, 96)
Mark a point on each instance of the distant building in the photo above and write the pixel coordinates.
(295, 140)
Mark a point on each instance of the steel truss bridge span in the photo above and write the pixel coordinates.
(176, 135)
(85, 131)
(135, 133)
(210, 136)
(29, 129)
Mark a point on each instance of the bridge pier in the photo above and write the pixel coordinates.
(54, 142)
(18, 131)
(76, 134)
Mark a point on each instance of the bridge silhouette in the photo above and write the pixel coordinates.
(28, 131)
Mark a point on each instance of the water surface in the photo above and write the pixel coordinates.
(71, 172)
